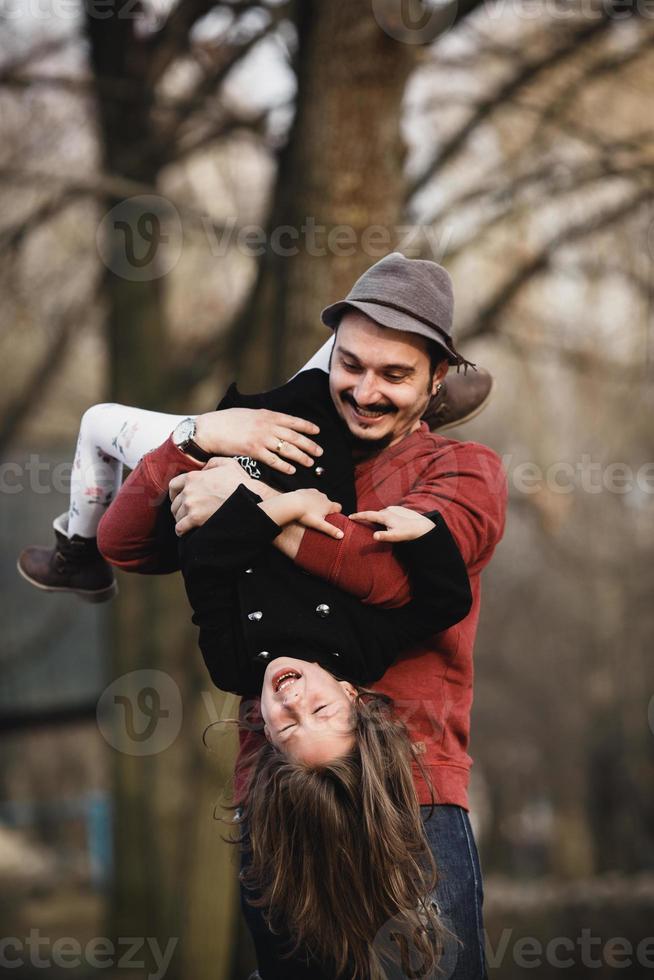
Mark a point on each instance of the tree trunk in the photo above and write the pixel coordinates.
(136, 323)
(340, 178)
(160, 800)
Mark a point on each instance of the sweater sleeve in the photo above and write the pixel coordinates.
(441, 597)
(137, 533)
(466, 485)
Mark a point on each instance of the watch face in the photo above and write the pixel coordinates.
(184, 431)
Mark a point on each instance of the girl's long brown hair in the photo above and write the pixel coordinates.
(338, 853)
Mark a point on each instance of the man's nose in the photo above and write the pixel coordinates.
(366, 391)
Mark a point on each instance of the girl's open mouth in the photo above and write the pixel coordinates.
(284, 678)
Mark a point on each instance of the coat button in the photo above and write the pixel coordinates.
(248, 571)
(255, 616)
(264, 655)
(335, 654)
(323, 610)
(319, 470)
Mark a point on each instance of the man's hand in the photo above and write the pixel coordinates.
(197, 495)
(269, 437)
(401, 523)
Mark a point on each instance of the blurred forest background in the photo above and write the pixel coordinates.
(253, 158)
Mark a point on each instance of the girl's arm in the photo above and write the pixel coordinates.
(244, 525)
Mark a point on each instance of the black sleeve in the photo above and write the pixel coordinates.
(167, 542)
(441, 597)
(210, 557)
(230, 539)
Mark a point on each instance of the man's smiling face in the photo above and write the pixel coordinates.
(380, 380)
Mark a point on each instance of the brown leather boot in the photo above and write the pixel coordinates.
(73, 565)
(461, 398)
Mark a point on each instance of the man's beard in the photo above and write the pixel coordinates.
(368, 447)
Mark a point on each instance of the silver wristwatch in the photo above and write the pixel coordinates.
(183, 436)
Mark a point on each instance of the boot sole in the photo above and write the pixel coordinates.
(99, 595)
(471, 415)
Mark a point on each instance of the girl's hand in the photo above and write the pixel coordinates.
(311, 507)
(401, 523)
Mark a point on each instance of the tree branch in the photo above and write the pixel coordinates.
(603, 66)
(173, 37)
(213, 134)
(42, 50)
(581, 361)
(486, 319)
(109, 185)
(34, 388)
(526, 74)
(13, 235)
(209, 83)
(553, 184)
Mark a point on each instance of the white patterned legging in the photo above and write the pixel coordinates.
(111, 436)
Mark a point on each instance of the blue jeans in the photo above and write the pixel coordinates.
(459, 893)
(458, 897)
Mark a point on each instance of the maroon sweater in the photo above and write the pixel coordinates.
(430, 684)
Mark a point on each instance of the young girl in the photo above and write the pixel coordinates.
(333, 845)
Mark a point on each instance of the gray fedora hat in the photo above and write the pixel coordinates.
(404, 294)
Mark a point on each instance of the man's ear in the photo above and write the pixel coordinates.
(439, 375)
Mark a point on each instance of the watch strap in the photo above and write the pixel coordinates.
(188, 445)
(191, 448)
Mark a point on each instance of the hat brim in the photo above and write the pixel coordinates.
(385, 317)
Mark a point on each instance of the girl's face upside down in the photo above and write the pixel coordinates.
(308, 713)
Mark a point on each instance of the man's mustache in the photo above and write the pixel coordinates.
(385, 409)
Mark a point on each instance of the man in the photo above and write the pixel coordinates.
(392, 350)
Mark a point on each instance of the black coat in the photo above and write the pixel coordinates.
(253, 604)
